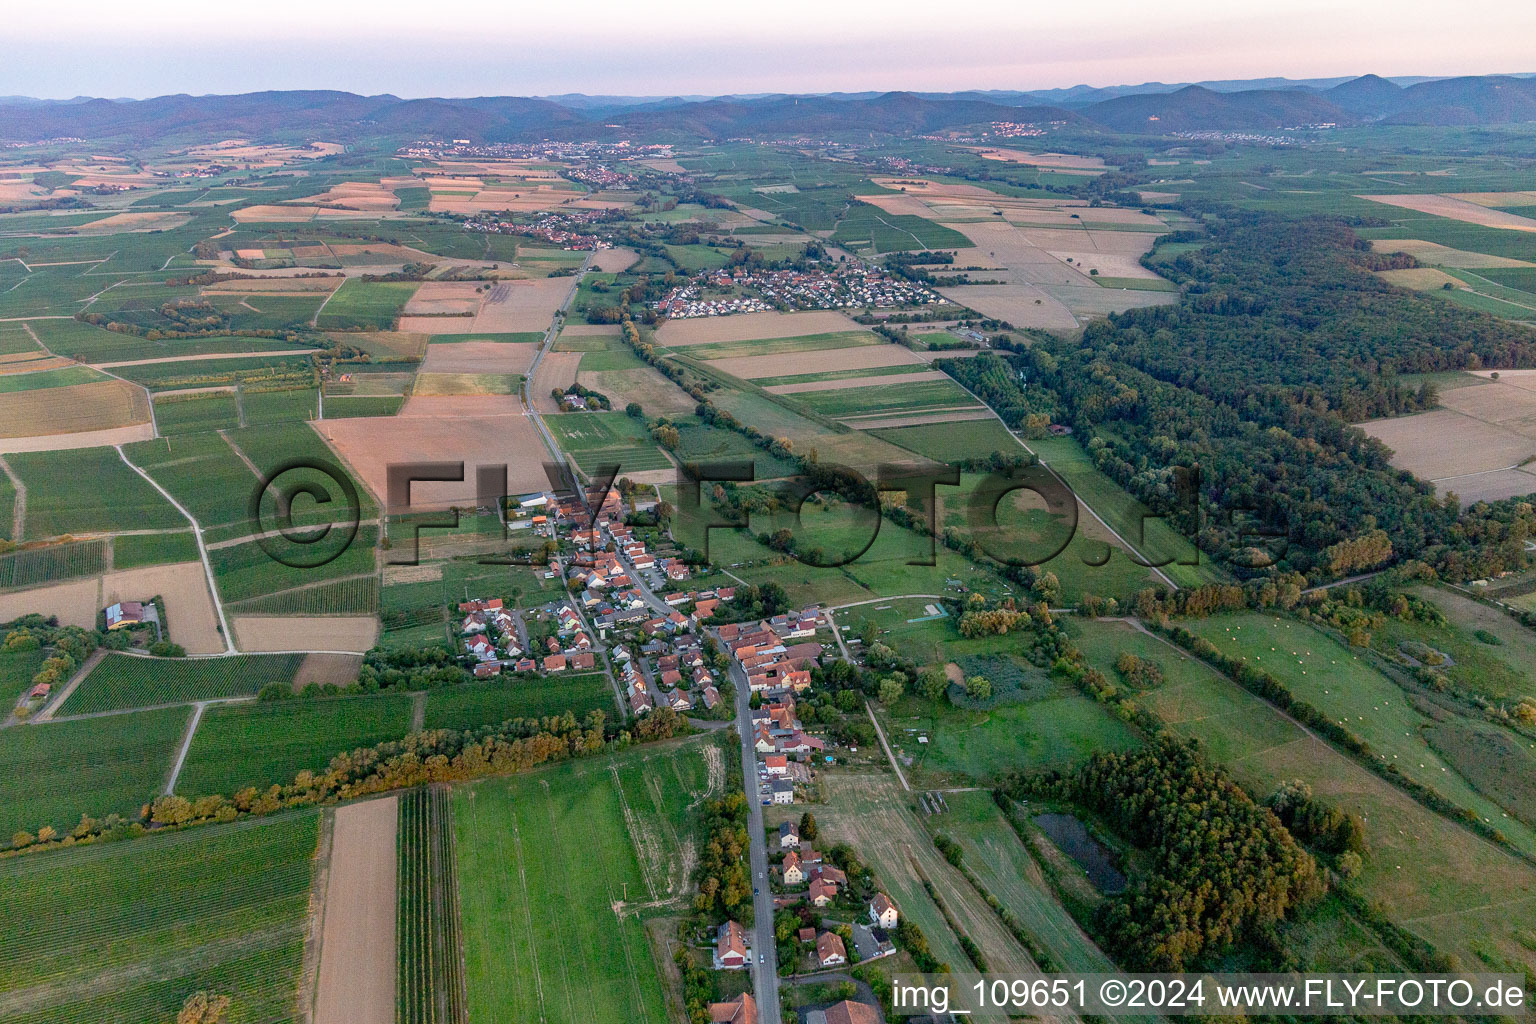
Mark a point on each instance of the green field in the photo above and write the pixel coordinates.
(190, 414)
(477, 704)
(1342, 684)
(52, 773)
(88, 490)
(122, 933)
(596, 438)
(248, 570)
(42, 379)
(1419, 862)
(205, 474)
(780, 346)
(543, 857)
(262, 744)
(370, 305)
(865, 401)
(53, 563)
(290, 404)
(128, 681)
(951, 442)
(16, 671)
(430, 978)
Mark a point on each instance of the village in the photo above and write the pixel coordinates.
(844, 285)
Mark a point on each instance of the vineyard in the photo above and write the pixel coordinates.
(53, 563)
(431, 970)
(129, 681)
(357, 595)
(122, 933)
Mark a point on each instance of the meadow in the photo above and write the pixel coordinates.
(52, 773)
(952, 442)
(258, 745)
(128, 681)
(544, 858)
(598, 438)
(122, 933)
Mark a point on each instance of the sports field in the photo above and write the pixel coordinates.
(544, 862)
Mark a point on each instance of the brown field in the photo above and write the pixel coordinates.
(358, 942)
(655, 393)
(434, 384)
(1420, 279)
(1108, 264)
(1149, 196)
(351, 633)
(246, 151)
(356, 195)
(893, 379)
(120, 223)
(510, 307)
(1496, 198)
(79, 439)
(1444, 255)
(269, 214)
(100, 405)
(211, 355)
(479, 357)
(477, 430)
(388, 346)
(556, 370)
(32, 362)
(1476, 444)
(750, 326)
(666, 165)
(612, 261)
(1022, 305)
(918, 419)
(1054, 161)
(860, 357)
(442, 297)
(535, 196)
(1457, 209)
(188, 606)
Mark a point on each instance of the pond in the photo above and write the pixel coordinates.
(1073, 838)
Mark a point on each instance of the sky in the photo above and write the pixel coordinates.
(685, 47)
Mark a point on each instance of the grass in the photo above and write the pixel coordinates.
(121, 933)
(545, 856)
(88, 490)
(292, 404)
(931, 394)
(263, 744)
(1501, 671)
(474, 705)
(43, 379)
(16, 671)
(596, 438)
(349, 406)
(1419, 863)
(128, 681)
(52, 773)
(951, 442)
(1343, 685)
(1153, 536)
(781, 346)
(994, 853)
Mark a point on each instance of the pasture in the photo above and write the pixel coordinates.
(951, 442)
(128, 681)
(122, 933)
(240, 745)
(545, 859)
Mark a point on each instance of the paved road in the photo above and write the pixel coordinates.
(766, 976)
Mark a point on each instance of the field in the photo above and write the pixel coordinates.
(32, 566)
(262, 744)
(88, 490)
(1006, 870)
(78, 408)
(596, 438)
(356, 976)
(1503, 670)
(873, 814)
(1340, 683)
(122, 933)
(849, 404)
(760, 357)
(430, 971)
(749, 327)
(127, 681)
(545, 859)
(370, 305)
(474, 705)
(1477, 444)
(51, 774)
(186, 414)
(950, 442)
(1419, 864)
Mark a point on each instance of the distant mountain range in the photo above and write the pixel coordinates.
(1152, 108)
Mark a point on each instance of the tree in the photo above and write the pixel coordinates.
(932, 682)
(808, 827)
(978, 688)
(634, 409)
(202, 1008)
(890, 690)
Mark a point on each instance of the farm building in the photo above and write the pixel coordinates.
(730, 947)
(125, 614)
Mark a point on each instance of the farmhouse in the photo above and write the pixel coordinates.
(845, 1012)
(124, 614)
(793, 875)
(730, 947)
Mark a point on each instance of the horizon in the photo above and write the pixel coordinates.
(373, 49)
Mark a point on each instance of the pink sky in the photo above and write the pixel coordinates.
(491, 47)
